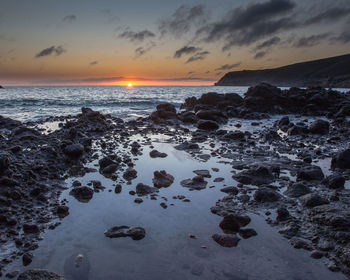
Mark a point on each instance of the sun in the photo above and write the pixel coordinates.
(129, 84)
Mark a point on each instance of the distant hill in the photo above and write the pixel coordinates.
(329, 72)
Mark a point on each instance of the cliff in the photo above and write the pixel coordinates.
(329, 72)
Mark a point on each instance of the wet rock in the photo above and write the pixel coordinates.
(247, 233)
(341, 160)
(118, 188)
(163, 205)
(39, 274)
(74, 151)
(110, 169)
(27, 258)
(236, 135)
(300, 243)
(188, 117)
(332, 216)
(166, 107)
(142, 189)
(30, 229)
(207, 125)
(130, 174)
(310, 173)
(82, 194)
(157, 154)
(312, 199)
(164, 111)
(334, 182)
(266, 195)
(138, 200)
(136, 233)
(187, 146)
(4, 162)
(282, 214)
(216, 116)
(319, 127)
(289, 230)
(161, 179)
(256, 176)
(230, 190)
(62, 211)
(233, 222)
(106, 161)
(296, 190)
(196, 183)
(203, 173)
(226, 240)
(316, 254)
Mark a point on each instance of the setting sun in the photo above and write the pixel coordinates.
(129, 84)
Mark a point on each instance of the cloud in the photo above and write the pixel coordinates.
(332, 14)
(140, 51)
(183, 19)
(109, 16)
(228, 66)
(243, 26)
(51, 50)
(198, 56)
(342, 38)
(137, 36)
(310, 41)
(93, 63)
(268, 43)
(260, 55)
(7, 38)
(186, 50)
(70, 18)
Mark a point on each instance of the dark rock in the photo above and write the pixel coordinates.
(188, 117)
(142, 189)
(311, 200)
(130, 174)
(316, 254)
(226, 240)
(74, 151)
(62, 211)
(231, 190)
(30, 229)
(296, 190)
(163, 205)
(266, 195)
(207, 125)
(166, 107)
(247, 232)
(110, 169)
(234, 222)
(234, 135)
(203, 173)
(282, 214)
(4, 162)
(118, 188)
(196, 183)
(83, 194)
(334, 182)
(106, 161)
(27, 258)
(212, 115)
(319, 127)
(310, 173)
(187, 146)
(341, 160)
(157, 154)
(162, 179)
(138, 200)
(136, 233)
(39, 274)
(256, 176)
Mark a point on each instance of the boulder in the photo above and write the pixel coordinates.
(136, 233)
(207, 125)
(319, 127)
(30, 229)
(83, 194)
(334, 182)
(296, 190)
(106, 161)
(341, 160)
(188, 117)
(162, 179)
(212, 115)
(226, 240)
(187, 146)
(310, 173)
(204, 173)
(130, 174)
(247, 233)
(142, 189)
(196, 183)
(257, 175)
(266, 195)
(157, 154)
(312, 200)
(74, 151)
(233, 222)
(39, 274)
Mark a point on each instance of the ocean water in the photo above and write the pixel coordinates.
(38, 103)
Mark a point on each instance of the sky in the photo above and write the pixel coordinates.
(161, 42)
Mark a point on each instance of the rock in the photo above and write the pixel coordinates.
(334, 182)
(259, 175)
(311, 200)
(316, 254)
(130, 174)
(164, 111)
(236, 135)
(39, 274)
(27, 258)
(110, 169)
(162, 179)
(82, 194)
(282, 214)
(136, 233)
(212, 115)
(203, 173)
(196, 183)
(266, 195)
(296, 190)
(233, 222)
(142, 189)
(4, 162)
(207, 125)
(319, 127)
(187, 146)
(62, 211)
(341, 160)
(163, 205)
(188, 117)
(247, 232)
(118, 188)
(74, 151)
(166, 107)
(106, 161)
(231, 190)
(310, 173)
(30, 229)
(138, 200)
(157, 154)
(226, 240)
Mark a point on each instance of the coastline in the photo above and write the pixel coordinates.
(43, 162)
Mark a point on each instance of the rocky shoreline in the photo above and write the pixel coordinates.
(276, 168)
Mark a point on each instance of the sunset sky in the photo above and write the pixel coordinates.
(158, 42)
